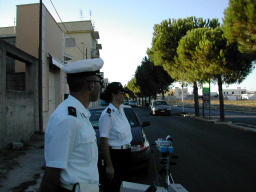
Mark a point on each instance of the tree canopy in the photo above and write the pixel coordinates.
(202, 53)
(132, 85)
(206, 54)
(151, 79)
(166, 39)
(240, 25)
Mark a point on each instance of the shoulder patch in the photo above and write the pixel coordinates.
(72, 111)
(109, 111)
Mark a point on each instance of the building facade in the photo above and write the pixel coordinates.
(61, 43)
(81, 40)
(234, 94)
(19, 112)
(52, 86)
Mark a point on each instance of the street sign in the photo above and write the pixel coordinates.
(206, 99)
(206, 89)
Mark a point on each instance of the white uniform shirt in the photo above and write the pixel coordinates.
(70, 144)
(114, 125)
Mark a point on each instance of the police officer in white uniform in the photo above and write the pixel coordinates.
(71, 151)
(116, 136)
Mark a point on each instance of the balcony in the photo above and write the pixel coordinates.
(95, 53)
(95, 34)
(98, 46)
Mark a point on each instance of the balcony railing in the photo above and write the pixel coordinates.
(95, 53)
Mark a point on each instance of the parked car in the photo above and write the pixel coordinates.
(126, 102)
(160, 107)
(133, 103)
(139, 146)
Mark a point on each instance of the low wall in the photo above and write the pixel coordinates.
(19, 105)
(20, 117)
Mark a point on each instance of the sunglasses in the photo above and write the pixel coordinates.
(101, 82)
(122, 92)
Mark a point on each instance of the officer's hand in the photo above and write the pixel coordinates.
(110, 172)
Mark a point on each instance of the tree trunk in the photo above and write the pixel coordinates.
(163, 95)
(197, 113)
(222, 115)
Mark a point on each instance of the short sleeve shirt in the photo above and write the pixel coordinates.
(70, 143)
(114, 125)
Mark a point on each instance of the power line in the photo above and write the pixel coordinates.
(64, 25)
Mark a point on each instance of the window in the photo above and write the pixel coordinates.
(131, 117)
(70, 42)
(160, 103)
(15, 81)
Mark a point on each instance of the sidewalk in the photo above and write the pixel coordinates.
(242, 126)
(21, 170)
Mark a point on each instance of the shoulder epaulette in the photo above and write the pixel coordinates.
(72, 111)
(109, 111)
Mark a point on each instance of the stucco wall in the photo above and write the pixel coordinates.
(19, 111)
(82, 32)
(20, 123)
(52, 43)
(83, 43)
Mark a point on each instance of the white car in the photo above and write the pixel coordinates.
(160, 107)
(133, 103)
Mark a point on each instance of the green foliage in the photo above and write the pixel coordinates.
(132, 85)
(240, 64)
(201, 53)
(161, 78)
(166, 39)
(151, 79)
(206, 54)
(240, 25)
(143, 77)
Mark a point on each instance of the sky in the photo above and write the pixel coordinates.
(126, 27)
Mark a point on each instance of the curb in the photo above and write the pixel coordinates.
(243, 127)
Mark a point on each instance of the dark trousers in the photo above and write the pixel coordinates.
(60, 189)
(121, 161)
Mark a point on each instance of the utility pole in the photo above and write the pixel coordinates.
(182, 91)
(40, 100)
(210, 111)
(83, 49)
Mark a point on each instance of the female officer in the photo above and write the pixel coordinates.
(116, 136)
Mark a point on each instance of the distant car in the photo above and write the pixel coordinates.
(103, 103)
(126, 102)
(139, 146)
(160, 107)
(133, 103)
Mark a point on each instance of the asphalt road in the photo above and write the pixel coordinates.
(212, 157)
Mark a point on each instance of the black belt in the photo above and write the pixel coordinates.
(62, 189)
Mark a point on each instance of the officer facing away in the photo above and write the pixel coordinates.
(71, 151)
